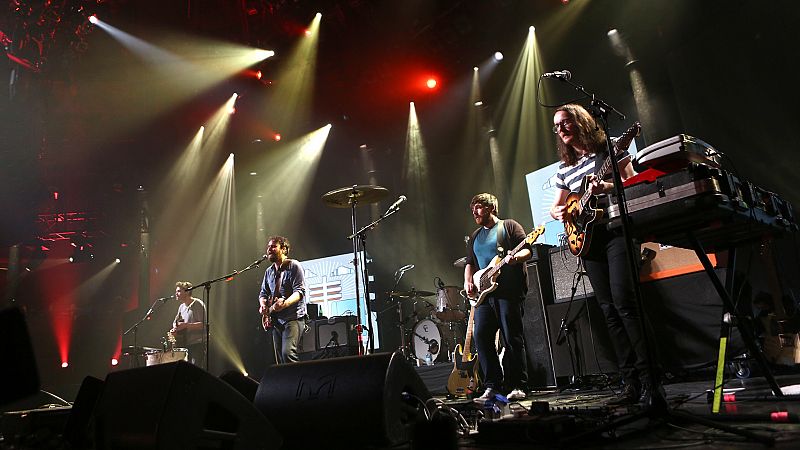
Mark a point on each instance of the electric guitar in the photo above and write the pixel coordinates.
(581, 209)
(266, 317)
(485, 280)
(464, 380)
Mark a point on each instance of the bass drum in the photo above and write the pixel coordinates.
(427, 337)
(168, 356)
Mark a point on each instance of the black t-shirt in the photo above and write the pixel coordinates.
(512, 281)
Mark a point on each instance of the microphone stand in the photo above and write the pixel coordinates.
(135, 328)
(207, 288)
(657, 407)
(564, 332)
(361, 243)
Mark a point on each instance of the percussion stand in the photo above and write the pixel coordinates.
(135, 327)
(400, 319)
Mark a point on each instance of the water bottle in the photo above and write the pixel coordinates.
(428, 359)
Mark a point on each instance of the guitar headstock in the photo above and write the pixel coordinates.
(627, 137)
(534, 235)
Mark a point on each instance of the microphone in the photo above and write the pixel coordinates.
(260, 260)
(439, 283)
(396, 204)
(164, 299)
(405, 268)
(560, 74)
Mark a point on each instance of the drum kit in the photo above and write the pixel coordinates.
(436, 328)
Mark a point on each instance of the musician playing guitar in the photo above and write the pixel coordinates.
(501, 309)
(582, 149)
(282, 300)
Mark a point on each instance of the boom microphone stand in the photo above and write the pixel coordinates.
(207, 288)
(361, 235)
(657, 406)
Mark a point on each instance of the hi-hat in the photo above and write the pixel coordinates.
(355, 195)
(460, 262)
(412, 294)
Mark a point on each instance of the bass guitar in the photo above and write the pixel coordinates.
(581, 208)
(463, 380)
(485, 280)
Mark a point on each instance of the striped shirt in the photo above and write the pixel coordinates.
(570, 178)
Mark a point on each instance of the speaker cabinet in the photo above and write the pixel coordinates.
(565, 268)
(177, 405)
(588, 336)
(360, 400)
(534, 319)
(685, 313)
(308, 339)
(335, 332)
(19, 377)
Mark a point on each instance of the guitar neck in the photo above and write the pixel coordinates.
(622, 143)
(468, 339)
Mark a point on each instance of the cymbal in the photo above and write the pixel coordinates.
(412, 294)
(460, 262)
(359, 194)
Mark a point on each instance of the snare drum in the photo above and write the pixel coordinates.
(168, 356)
(450, 305)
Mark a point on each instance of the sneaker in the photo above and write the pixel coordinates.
(488, 395)
(516, 394)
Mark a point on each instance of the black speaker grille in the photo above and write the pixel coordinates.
(566, 268)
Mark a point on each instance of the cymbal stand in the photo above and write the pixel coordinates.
(359, 239)
(400, 319)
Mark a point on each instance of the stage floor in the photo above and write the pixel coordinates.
(575, 411)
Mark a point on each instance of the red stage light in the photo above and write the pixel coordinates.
(277, 136)
(55, 195)
(431, 83)
(64, 364)
(258, 75)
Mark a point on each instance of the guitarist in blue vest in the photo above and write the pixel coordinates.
(581, 146)
(282, 300)
(501, 309)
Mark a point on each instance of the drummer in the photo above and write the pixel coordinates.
(189, 324)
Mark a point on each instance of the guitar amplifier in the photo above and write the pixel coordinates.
(335, 332)
(567, 271)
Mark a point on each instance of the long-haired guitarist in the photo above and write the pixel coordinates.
(282, 300)
(582, 149)
(502, 307)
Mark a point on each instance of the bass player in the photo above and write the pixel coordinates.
(582, 150)
(282, 300)
(501, 309)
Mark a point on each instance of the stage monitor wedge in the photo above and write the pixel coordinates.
(176, 406)
(373, 400)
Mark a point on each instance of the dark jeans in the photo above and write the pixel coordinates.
(607, 267)
(505, 315)
(286, 338)
(197, 354)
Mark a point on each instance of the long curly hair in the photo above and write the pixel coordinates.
(587, 133)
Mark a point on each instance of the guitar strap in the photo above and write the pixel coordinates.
(501, 238)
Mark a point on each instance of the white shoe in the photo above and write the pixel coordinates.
(488, 395)
(516, 394)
